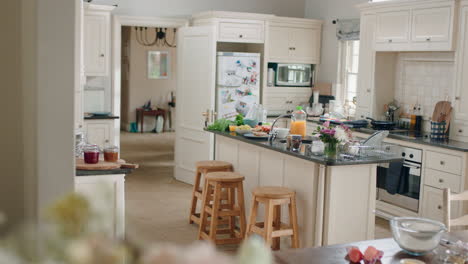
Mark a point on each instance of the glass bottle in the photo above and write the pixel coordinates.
(299, 126)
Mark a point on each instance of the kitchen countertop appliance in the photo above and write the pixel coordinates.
(294, 75)
(408, 182)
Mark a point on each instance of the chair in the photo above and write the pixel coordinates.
(448, 198)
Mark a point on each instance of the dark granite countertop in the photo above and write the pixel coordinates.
(100, 117)
(281, 147)
(102, 172)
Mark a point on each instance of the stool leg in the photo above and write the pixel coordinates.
(252, 216)
(203, 214)
(268, 227)
(293, 219)
(240, 201)
(276, 226)
(215, 211)
(232, 219)
(196, 187)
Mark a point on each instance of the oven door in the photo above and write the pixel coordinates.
(408, 192)
(293, 75)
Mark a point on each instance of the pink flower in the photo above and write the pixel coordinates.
(330, 132)
(326, 124)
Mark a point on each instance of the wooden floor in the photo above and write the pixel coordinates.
(157, 205)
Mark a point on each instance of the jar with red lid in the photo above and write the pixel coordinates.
(91, 154)
(111, 154)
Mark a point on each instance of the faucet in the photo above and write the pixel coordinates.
(272, 136)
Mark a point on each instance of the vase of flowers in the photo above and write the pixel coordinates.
(332, 137)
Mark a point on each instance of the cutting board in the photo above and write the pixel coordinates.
(101, 165)
(442, 111)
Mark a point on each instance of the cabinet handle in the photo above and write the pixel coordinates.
(102, 55)
(368, 90)
(428, 39)
(80, 126)
(457, 97)
(460, 131)
(442, 162)
(240, 36)
(294, 48)
(439, 207)
(107, 141)
(390, 40)
(441, 180)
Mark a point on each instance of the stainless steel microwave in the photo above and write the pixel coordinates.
(294, 75)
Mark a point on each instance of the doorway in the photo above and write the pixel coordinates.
(145, 82)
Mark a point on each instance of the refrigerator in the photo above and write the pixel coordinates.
(237, 83)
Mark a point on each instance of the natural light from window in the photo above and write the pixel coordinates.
(350, 69)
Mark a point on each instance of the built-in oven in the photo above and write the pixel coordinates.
(399, 184)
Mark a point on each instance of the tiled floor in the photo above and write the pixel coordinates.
(157, 205)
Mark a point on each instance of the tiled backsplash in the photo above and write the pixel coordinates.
(424, 78)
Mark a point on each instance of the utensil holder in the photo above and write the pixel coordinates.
(438, 130)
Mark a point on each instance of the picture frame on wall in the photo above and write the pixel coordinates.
(158, 65)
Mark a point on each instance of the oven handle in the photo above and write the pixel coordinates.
(411, 166)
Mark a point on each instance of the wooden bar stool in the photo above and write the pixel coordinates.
(204, 167)
(272, 228)
(216, 182)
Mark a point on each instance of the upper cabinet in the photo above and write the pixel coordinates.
(417, 25)
(233, 26)
(96, 35)
(460, 106)
(393, 27)
(294, 40)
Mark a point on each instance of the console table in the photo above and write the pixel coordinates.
(141, 113)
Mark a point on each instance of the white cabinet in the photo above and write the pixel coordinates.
(432, 204)
(419, 26)
(294, 43)
(244, 31)
(366, 67)
(431, 24)
(279, 100)
(106, 194)
(97, 33)
(460, 106)
(100, 132)
(393, 27)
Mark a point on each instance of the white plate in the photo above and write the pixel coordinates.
(252, 136)
(243, 132)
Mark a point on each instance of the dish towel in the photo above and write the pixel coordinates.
(394, 177)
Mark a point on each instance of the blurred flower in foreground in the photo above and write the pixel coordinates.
(254, 251)
(95, 250)
(71, 214)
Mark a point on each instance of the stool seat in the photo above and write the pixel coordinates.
(224, 176)
(273, 192)
(213, 165)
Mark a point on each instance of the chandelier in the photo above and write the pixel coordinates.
(160, 38)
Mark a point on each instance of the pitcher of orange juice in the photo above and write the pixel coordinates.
(299, 126)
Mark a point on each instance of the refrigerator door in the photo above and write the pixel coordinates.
(238, 83)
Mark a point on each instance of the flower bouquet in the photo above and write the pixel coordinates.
(332, 136)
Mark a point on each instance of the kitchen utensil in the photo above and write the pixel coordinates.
(447, 119)
(441, 110)
(417, 236)
(381, 125)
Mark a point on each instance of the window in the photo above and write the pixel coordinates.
(348, 69)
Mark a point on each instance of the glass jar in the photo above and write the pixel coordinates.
(298, 124)
(80, 143)
(111, 154)
(91, 154)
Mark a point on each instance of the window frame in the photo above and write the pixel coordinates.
(343, 68)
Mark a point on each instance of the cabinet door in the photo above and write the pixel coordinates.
(366, 64)
(99, 133)
(279, 48)
(432, 24)
(241, 31)
(305, 45)
(78, 110)
(461, 93)
(276, 103)
(96, 44)
(432, 206)
(393, 27)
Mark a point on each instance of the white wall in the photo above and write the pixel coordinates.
(184, 8)
(329, 10)
(37, 73)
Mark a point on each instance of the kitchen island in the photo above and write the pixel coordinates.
(335, 198)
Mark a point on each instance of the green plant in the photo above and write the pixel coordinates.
(220, 125)
(239, 120)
